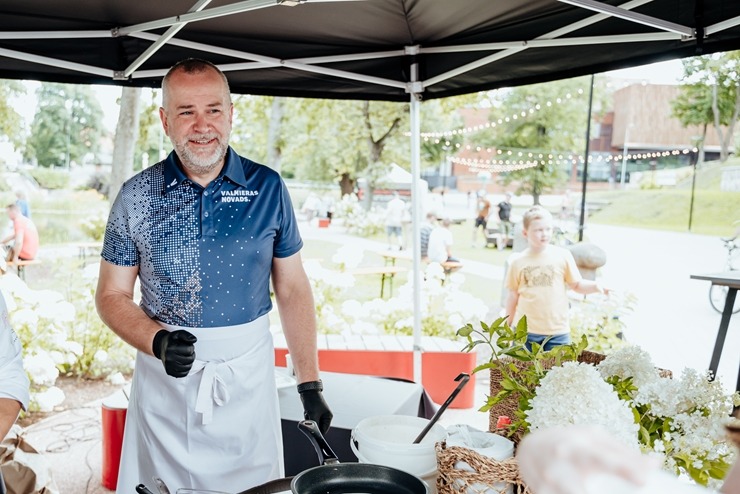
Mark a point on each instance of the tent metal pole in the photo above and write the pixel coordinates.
(53, 62)
(162, 40)
(585, 162)
(414, 109)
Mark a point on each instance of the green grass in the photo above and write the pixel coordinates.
(714, 210)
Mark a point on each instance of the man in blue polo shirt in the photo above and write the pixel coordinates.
(205, 231)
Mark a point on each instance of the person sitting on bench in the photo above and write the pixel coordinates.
(25, 237)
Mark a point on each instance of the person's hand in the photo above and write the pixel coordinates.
(176, 350)
(558, 460)
(314, 406)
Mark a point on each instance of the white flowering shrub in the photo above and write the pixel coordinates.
(94, 226)
(601, 320)
(62, 336)
(681, 418)
(560, 399)
(444, 306)
(357, 220)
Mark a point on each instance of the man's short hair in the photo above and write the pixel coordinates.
(192, 66)
(535, 213)
(13, 206)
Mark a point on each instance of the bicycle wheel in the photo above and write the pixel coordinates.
(717, 296)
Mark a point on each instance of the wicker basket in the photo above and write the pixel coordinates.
(486, 472)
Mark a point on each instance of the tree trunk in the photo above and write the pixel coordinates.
(273, 133)
(723, 152)
(124, 142)
(346, 184)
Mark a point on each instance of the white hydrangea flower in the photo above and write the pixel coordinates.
(576, 394)
(41, 368)
(101, 356)
(630, 361)
(49, 398)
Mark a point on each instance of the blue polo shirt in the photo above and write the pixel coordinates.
(204, 254)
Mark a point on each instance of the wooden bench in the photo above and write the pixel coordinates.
(392, 356)
(21, 266)
(88, 248)
(385, 272)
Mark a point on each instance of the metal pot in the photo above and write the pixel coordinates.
(342, 478)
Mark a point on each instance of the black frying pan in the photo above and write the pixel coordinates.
(344, 478)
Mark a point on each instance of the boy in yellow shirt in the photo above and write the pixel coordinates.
(538, 280)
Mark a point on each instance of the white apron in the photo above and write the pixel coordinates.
(218, 428)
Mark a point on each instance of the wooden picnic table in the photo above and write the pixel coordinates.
(385, 272)
(20, 266)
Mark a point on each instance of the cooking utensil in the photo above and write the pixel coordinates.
(463, 378)
(345, 478)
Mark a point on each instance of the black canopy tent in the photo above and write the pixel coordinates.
(394, 50)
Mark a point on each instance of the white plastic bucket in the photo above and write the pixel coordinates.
(389, 440)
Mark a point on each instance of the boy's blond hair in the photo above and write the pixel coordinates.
(535, 213)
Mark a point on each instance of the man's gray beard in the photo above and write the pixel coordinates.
(196, 164)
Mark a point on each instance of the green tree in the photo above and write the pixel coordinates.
(10, 120)
(713, 79)
(693, 106)
(322, 140)
(151, 136)
(541, 119)
(67, 125)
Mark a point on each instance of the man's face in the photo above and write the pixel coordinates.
(197, 118)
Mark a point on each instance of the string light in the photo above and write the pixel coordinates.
(477, 128)
(514, 160)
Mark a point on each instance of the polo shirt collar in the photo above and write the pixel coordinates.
(174, 176)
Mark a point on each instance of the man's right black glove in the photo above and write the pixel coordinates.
(314, 406)
(176, 350)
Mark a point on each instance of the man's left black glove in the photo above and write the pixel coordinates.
(314, 406)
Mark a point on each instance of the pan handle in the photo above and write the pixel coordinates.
(311, 430)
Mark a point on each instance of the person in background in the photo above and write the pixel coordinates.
(425, 230)
(22, 201)
(25, 237)
(395, 212)
(538, 280)
(504, 216)
(208, 234)
(14, 383)
(440, 243)
(483, 210)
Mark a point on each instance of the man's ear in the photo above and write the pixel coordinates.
(163, 118)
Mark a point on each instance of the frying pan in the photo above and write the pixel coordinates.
(344, 478)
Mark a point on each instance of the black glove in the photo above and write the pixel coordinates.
(314, 406)
(176, 350)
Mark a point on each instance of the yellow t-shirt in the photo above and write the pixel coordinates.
(541, 280)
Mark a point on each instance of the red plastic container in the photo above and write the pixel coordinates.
(113, 421)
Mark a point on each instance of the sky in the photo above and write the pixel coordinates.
(668, 72)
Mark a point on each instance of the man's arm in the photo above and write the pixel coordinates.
(9, 410)
(114, 300)
(297, 315)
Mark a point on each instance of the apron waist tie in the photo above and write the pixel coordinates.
(212, 389)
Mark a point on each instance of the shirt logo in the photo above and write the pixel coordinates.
(238, 195)
(173, 183)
